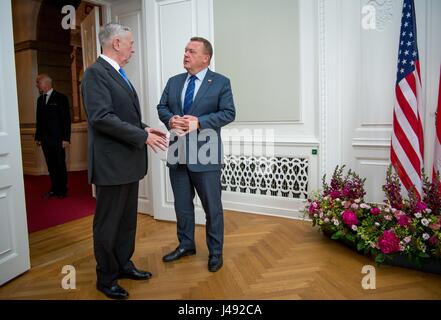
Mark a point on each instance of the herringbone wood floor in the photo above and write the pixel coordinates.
(264, 258)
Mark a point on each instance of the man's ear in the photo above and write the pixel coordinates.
(116, 43)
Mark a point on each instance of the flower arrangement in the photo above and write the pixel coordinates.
(407, 227)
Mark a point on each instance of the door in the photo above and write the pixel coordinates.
(170, 25)
(90, 46)
(14, 245)
(89, 37)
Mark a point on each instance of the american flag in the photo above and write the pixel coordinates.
(437, 160)
(407, 148)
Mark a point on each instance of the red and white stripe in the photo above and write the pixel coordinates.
(407, 152)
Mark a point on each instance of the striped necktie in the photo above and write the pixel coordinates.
(189, 93)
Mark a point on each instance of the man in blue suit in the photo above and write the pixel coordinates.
(195, 106)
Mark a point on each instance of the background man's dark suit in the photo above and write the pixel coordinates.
(117, 161)
(52, 128)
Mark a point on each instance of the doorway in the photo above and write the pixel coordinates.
(42, 45)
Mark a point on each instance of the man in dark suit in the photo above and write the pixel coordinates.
(117, 158)
(53, 133)
(194, 106)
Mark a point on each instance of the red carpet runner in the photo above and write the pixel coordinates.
(45, 213)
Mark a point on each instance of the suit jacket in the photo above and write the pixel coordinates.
(53, 120)
(117, 149)
(214, 107)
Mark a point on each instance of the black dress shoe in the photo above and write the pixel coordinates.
(113, 292)
(48, 195)
(135, 274)
(177, 254)
(215, 262)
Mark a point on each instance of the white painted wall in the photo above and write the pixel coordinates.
(169, 26)
(346, 88)
(357, 83)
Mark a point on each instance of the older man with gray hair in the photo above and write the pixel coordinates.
(117, 161)
(52, 134)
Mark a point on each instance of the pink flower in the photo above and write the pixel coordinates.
(435, 226)
(398, 214)
(349, 218)
(389, 242)
(375, 211)
(403, 220)
(313, 207)
(421, 206)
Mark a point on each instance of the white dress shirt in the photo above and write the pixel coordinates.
(197, 84)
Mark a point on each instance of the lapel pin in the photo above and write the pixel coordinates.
(209, 80)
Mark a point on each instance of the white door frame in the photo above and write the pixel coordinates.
(14, 244)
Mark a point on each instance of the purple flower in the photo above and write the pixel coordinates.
(349, 218)
(421, 206)
(433, 240)
(346, 192)
(375, 211)
(403, 220)
(389, 242)
(335, 194)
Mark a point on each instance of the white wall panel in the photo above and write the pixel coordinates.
(176, 20)
(364, 64)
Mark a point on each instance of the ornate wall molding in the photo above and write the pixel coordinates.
(322, 86)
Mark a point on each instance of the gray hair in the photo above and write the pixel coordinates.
(109, 31)
(44, 77)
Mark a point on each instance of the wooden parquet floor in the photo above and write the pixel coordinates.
(264, 258)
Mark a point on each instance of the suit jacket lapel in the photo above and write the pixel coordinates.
(51, 97)
(179, 93)
(115, 75)
(202, 90)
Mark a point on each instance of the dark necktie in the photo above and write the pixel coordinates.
(188, 101)
(124, 75)
(44, 99)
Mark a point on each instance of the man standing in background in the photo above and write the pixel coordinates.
(53, 133)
